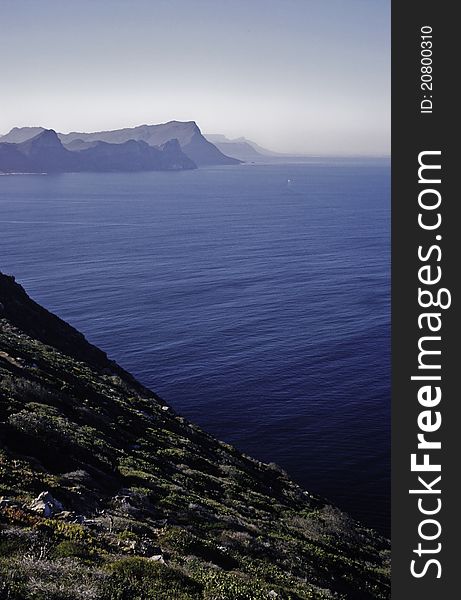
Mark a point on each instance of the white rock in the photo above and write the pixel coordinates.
(158, 558)
(45, 504)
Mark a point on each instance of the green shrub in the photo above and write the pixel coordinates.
(221, 586)
(10, 547)
(71, 549)
(64, 531)
(36, 579)
(142, 579)
(182, 541)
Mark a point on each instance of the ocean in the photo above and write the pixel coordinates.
(254, 299)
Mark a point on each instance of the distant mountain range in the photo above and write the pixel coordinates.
(242, 148)
(45, 153)
(169, 146)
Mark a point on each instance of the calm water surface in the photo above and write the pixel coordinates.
(254, 299)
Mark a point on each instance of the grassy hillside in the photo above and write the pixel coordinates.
(106, 493)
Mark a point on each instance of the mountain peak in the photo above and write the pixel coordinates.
(46, 135)
(20, 134)
(46, 145)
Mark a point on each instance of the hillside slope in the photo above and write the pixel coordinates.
(106, 493)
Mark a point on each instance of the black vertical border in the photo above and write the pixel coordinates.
(413, 132)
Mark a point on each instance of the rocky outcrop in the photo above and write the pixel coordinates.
(45, 505)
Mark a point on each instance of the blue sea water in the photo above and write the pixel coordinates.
(254, 299)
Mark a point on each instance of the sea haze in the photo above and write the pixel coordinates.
(254, 299)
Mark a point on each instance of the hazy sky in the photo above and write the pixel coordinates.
(310, 76)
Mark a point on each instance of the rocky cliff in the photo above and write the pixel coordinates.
(188, 134)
